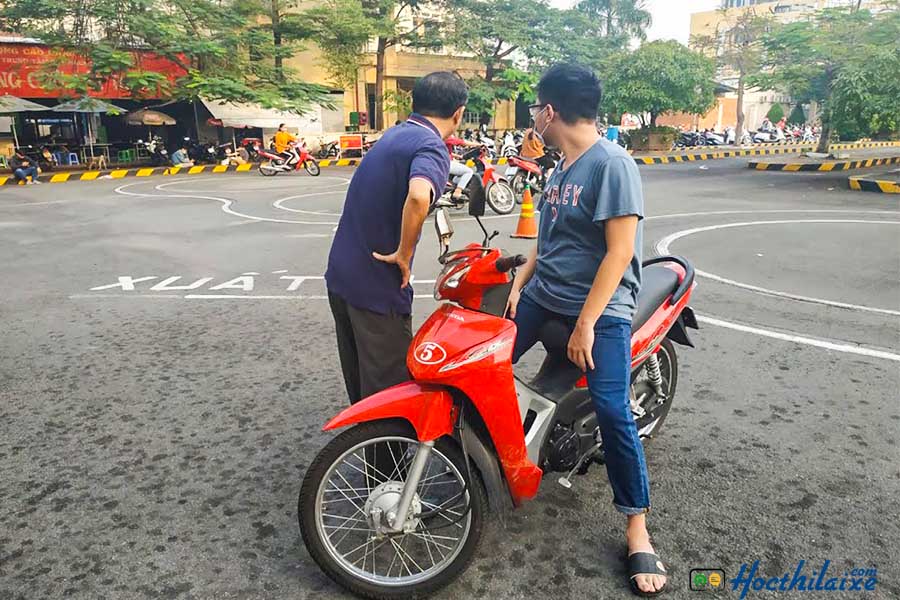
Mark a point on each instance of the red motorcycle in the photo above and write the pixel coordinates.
(394, 506)
(295, 158)
(533, 173)
(500, 196)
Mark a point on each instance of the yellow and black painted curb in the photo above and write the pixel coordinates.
(825, 166)
(148, 171)
(670, 158)
(867, 184)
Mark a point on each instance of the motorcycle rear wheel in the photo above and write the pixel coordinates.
(267, 169)
(433, 536)
(655, 413)
(312, 167)
(500, 197)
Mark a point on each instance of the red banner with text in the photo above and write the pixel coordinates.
(20, 66)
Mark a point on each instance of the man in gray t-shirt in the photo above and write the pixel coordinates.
(602, 184)
(586, 272)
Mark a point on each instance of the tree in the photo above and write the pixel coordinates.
(797, 115)
(776, 113)
(341, 31)
(834, 58)
(494, 32)
(659, 77)
(226, 52)
(628, 19)
(388, 19)
(738, 48)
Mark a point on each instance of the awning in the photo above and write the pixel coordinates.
(254, 115)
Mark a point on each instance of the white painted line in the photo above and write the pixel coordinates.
(27, 204)
(662, 247)
(799, 339)
(226, 203)
(787, 211)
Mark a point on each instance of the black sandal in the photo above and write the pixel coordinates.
(646, 563)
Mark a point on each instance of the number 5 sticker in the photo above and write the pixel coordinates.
(430, 353)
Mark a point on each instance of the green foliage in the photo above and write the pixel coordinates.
(776, 113)
(341, 30)
(659, 77)
(232, 50)
(623, 19)
(797, 115)
(398, 101)
(838, 57)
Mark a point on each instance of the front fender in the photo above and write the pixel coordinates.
(428, 408)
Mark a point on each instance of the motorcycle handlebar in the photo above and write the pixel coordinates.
(508, 263)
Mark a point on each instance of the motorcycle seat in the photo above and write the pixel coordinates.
(557, 375)
(657, 284)
(528, 160)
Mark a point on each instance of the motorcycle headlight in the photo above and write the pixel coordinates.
(449, 277)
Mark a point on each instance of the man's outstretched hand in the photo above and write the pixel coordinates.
(401, 262)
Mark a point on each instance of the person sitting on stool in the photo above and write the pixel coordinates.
(23, 169)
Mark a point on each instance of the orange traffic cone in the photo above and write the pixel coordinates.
(527, 228)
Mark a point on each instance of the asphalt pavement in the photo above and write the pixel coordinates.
(168, 361)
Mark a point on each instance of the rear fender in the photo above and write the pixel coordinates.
(428, 408)
(678, 333)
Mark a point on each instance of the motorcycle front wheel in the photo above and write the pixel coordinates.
(312, 167)
(267, 169)
(500, 197)
(357, 478)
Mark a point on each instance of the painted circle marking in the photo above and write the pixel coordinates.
(429, 353)
(662, 247)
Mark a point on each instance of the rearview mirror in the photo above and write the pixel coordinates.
(476, 197)
(444, 229)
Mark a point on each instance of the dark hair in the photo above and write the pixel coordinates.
(439, 94)
(280, 125)
(573, 90)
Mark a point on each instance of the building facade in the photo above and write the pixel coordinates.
(713, 23)
(402, 66)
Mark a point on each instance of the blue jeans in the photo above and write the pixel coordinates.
(608, 384)
(22, 173)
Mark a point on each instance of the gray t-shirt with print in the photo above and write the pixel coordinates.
(602, 183)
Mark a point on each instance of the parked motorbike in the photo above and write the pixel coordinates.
(294, 159)
(251, 145)
(512, 144)
(329, 150)
(768, 136)
(711, 138)
(156, 150)
(200, 152)
(395, 506)
(533, 173)
(688, 139)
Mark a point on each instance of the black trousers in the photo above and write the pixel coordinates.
(372, 348)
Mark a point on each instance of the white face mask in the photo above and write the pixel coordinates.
(540, 134)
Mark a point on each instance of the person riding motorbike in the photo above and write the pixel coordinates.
(284, 141)
(459, 171)
(532, 145)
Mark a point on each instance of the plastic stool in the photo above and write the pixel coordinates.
(73, 158)
(125, 156)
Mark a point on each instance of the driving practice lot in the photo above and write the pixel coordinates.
(169, 358)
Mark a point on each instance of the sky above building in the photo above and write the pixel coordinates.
(671, 18)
